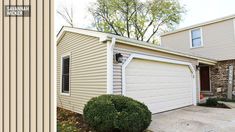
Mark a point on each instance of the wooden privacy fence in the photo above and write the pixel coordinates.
(27, 50)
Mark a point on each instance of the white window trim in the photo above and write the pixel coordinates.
(65, 55)
(154, 58)
(190, 38)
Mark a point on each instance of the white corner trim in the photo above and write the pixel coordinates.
(61, 70)
(198, 85)
(234, 28)
(159, 59)
(110, 46)
(190, 38)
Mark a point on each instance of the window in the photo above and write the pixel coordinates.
(196, 38)
(65, 74)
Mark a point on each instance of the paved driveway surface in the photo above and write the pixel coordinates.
(194, 119)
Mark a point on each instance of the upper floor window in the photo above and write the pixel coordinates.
(196, 38)
(65, 74)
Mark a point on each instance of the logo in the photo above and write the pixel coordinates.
(17, 10)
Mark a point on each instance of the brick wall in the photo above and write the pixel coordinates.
(219, 77)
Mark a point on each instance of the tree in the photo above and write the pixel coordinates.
(67, 15)
(135, 19)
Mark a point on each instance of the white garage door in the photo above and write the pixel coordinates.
(161, 86)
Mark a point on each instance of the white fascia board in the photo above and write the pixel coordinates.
(147, 46)
(200, 25)
(206, 62)
(102, 36)
(159, 59)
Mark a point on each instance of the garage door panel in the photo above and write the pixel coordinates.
(158, 96)
(161, 86)
(170, 67)
(136, 72)
(165, 80)
(169, 102)
(165, 102)
(162, 107)
(163, 90)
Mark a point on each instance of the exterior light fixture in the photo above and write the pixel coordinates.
(118, 57)
(198, 67)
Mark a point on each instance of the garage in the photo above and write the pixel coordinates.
(161, 84)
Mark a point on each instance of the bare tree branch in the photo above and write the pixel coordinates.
(66, 15)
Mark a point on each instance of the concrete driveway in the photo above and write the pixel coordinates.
(194, 119)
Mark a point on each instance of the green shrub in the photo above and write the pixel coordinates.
(226, 100)
(211, 102)
(108, 113)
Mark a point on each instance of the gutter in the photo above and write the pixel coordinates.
(110, 47)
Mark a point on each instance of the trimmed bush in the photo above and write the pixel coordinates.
(211, 102)
(108, 113)
(226, 100)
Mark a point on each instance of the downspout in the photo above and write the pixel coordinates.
(110, 47)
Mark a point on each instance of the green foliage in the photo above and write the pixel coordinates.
(108, 113)
(143, 20)
(226, 100)
(211, 102)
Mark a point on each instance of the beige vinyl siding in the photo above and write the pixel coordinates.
(88, 70)
(26, 68)
(126, 51)
(218, 41)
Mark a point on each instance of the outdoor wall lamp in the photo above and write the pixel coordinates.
(198, 67)
(118, 57)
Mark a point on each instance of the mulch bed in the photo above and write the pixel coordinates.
(219, 105)
(64, 115)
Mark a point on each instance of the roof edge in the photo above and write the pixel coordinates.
(108, 37)
(100, 35)
(200, 24)
(144, 45)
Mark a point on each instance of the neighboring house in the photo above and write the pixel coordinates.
(91, 63)
(214, 39)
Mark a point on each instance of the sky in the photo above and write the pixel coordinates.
(198, 11)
